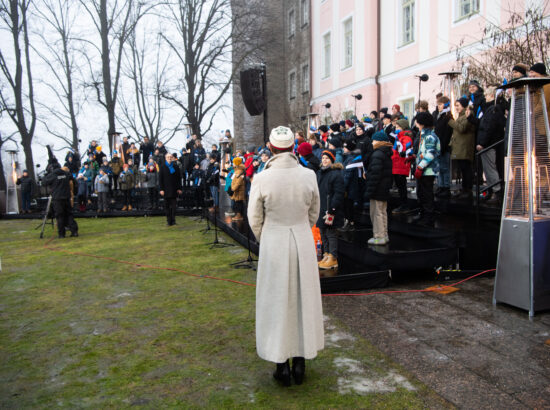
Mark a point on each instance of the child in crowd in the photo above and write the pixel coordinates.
(126, 180)
(378, 185)
(238, 186)
(102, 189)
(401, 167)
(151, 183)
(197, 177)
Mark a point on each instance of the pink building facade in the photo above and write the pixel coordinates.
(376, 48)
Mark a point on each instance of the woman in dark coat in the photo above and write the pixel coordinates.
(330, 179)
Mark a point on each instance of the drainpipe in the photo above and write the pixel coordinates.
(378, 52)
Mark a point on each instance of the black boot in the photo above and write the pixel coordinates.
(298, 369)
(282, 373)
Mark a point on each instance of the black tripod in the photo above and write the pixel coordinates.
(45, 218)
(216, 243)
(248, 263)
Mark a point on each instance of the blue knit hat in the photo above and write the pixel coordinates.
(380, 136)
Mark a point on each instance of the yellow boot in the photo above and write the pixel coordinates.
(325, 256)
(330, 263)
(124, 207)
(129, 207)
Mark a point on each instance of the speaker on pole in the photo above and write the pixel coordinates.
(252, 91)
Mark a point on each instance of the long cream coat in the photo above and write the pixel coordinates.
(283, 206)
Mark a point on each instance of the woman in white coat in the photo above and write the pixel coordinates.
(282, 208)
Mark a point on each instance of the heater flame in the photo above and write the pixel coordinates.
(14, 172)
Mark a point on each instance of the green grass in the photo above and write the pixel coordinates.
(80, 331)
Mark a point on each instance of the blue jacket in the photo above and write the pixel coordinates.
(429, 151)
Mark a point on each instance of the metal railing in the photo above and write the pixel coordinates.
(479, 191)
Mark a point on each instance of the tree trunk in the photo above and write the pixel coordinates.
(106, 70)
(29, 162)
(3, 184)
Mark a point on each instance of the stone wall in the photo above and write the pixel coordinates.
(281, 54)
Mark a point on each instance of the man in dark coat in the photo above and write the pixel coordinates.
(62, 184)
(491, 130)
(330, 180)
(170, 187)
(27, 188)
(378, 185)
(146, 148)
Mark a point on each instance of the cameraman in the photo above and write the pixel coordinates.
(62, 199)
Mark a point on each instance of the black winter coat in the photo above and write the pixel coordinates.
(61, 184)
(169, 183)
(379, 174)
(331, 193)
(27, 184)
(313, 162)
(442, 129)
(146, 149)
(491, 126)
(213, 174)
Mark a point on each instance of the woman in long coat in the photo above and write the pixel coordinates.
(282, 208)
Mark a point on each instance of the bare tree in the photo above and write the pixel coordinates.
(114, 25)
(144, 112)
(60, 56)
(17, 104)
(524, 39)
(206, 33)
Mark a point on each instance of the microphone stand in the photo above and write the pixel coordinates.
(248, 263)
(216, 243)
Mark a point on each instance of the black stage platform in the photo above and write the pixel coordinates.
(457, 241)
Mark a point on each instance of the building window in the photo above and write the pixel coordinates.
(292, 85)
(326, 55)
(348, 43)
(407, 108)
(406, 34)
(304, 5)
(291, 23)
(465, 8)
(305, 78)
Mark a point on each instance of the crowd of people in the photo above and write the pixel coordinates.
(357, 162)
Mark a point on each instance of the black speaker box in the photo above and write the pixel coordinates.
(252, 91)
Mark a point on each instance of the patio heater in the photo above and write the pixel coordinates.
(523, 265)
(451, 87)
(12, 200)
(313, 123)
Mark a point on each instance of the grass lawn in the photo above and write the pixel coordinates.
(81, 331)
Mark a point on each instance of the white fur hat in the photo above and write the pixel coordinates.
(281, 137)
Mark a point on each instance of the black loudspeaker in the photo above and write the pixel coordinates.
(252, 91)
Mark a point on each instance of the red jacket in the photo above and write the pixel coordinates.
(248, 164)
(403, 145)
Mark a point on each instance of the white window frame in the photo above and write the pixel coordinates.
(326, 57)
(457, 8)
(304, 12)
(291, 23)
(292, 86)
(407, 99)
(401, 41)
(345, 63)
(304, 68)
